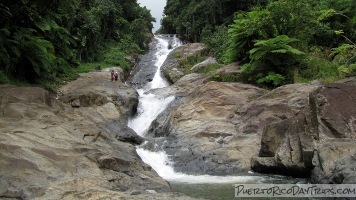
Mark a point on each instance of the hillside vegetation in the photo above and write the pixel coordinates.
(277, 41)
(48, 41)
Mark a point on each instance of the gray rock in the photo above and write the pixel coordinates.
(51, 150)
(206, 62)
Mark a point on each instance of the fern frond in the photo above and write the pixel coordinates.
(280, 51)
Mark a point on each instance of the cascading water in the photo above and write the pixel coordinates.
(150, 106)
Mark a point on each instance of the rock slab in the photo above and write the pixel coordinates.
(75, 145)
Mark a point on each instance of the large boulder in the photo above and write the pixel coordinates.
(318, 141)
(335, 109)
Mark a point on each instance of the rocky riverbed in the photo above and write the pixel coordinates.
(76, 145)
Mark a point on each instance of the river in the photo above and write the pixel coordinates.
(150, 106)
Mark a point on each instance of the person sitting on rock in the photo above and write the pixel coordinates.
(116, 76)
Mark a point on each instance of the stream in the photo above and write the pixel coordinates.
(150, 106)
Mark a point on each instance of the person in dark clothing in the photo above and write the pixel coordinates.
(112, 75)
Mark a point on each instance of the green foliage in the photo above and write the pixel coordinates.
(272, 61)
(246, 28)
(44, 41)
(270, 41)
(192, 19)
(344, 54)
(349, 70)
(312, 68)
(31, 50)
(336, 16)
(271, 50)
(177, 54)
(293, 18)
(115, 56)
(325, 14)
(345, 57)
(275, 79)
(3, 78)
(185, 64)
(216, 41)
(284, 17)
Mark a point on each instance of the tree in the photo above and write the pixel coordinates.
(272, 61)
(246, 28)
(190, 18)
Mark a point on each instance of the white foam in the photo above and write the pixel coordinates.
(150, 106)
(160, 162)
(161, 55)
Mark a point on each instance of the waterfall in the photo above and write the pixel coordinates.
(150, 106)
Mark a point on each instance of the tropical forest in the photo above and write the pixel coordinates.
(276, 41)
(47, 42)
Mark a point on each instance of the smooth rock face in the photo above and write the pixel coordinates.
(73, 146)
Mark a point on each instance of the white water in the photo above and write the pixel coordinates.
(150, 106)
(160, 162)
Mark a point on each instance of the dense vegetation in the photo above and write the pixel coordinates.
(46, 41)
(277, 41)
